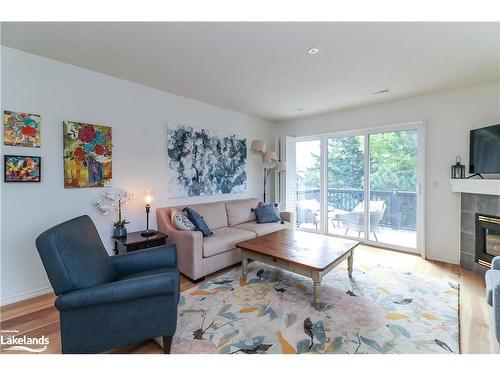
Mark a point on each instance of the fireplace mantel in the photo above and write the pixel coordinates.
(476, 186)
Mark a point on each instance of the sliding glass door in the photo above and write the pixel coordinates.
(334, 173)
(393, 188)
(345, 185)
(308, 184)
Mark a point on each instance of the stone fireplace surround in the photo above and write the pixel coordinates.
(470, 205)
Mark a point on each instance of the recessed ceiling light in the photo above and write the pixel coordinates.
(312, 51)
(380, 91)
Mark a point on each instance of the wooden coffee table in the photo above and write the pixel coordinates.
(308, 254)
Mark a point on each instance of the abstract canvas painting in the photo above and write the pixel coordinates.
(22, 168)
(205, 163)
(21, 129)
(87, 155)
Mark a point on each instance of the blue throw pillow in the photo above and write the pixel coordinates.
(268, 213)
(198, 221)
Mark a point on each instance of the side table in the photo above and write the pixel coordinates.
(134, 241)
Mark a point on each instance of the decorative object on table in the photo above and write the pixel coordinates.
(87, 155)
(458, 169)
(22, 168)
(136, 241)
(381, 310)
(198, 221)
(114, 200)
(268, 213)
(148, 199)
(21, 129)
(269, 161)
(205, 163)
(181, 221)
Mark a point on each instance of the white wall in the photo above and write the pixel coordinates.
(449, 116)
(139, 116)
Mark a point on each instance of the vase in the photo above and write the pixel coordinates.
(119, 232)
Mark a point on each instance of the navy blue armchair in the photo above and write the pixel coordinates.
(105, 302)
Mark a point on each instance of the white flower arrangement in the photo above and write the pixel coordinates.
(113, 200)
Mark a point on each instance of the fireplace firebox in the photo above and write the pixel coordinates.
(487, 238)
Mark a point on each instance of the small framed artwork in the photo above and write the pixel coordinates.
(21, 129)
(22, 168)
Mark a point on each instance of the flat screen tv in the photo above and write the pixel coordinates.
(484, 149)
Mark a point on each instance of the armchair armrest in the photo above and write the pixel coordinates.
(122, 290)
(145, 260)
(495, 263)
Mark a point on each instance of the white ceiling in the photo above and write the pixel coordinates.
(262, 68)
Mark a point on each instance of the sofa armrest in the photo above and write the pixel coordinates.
(145, 260)
(495, 263)
(190, 250)
(287, 216)
(189, 245)
(121, 290)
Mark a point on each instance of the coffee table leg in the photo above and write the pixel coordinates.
(317, 294)
(350, 261)
(244, 267)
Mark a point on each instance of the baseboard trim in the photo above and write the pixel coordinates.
(25, 295)
(443, 260)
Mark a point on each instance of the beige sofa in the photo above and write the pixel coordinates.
(230, 221)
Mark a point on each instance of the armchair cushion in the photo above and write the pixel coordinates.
(145, 260)
(73, 255)
(121, 290)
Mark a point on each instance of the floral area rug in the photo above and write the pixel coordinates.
(380, 310)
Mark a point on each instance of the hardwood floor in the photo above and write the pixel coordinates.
(38, 316)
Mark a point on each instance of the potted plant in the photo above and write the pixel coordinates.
(113, 200)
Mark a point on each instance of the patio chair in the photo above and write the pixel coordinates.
(306, 216)
(355, 220)
(307, 212)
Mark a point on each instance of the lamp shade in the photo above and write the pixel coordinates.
(280, 167)
(258, 146)
(269, 159)
(148, 198)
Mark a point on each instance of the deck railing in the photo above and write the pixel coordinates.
(400, 209)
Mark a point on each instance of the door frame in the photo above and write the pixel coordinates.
(420, 127)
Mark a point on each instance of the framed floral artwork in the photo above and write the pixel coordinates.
(87, 155)
(22, 168)
(21, 129)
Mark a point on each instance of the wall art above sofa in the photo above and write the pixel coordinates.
(201, 162)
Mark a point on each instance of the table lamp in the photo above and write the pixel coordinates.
(148, 232)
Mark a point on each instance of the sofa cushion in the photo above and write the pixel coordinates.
(241, 211)
(181, 222)
(198, 221)
(267, 213)
(214, 214)
(261, 229)
(224, 239)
